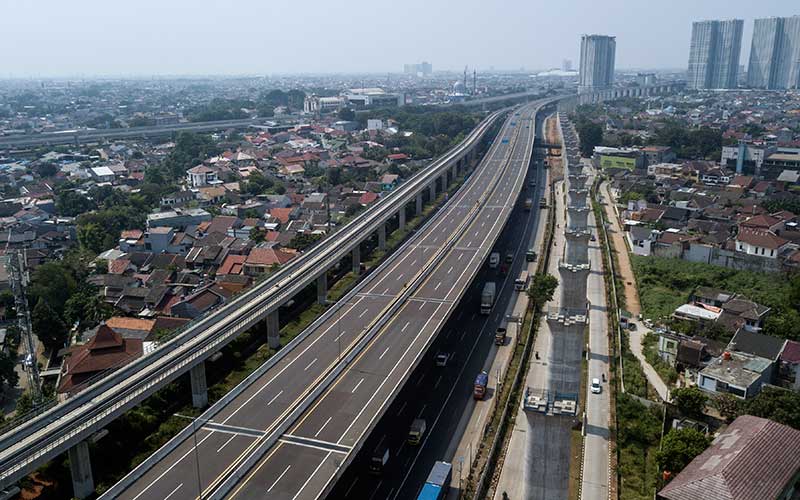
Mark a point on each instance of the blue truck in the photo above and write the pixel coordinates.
(438, 483)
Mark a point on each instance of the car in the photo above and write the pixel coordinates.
(596, 389)
(442, 358)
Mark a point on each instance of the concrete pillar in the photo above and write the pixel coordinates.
(454, 172)
(357, 259)
(401, 218)
(80, 467)
(322, 288)
(432, 189)
(382, 237)
(419, 204)
(273, 330)
(445, 181)
(197, 375)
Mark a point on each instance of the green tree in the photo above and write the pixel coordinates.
(47, 169)
(8, 303)
(591, 135)
(728, 406)
(301, 241)
(154, 175)
(72, 203)
(47, 325)
(347, 114)
(24, 403)
(679, 447)
(542, 288)
(54, 283)
(780, 405)
(86, 308)
(92, 237)
(690, 400)
(8, 374)
(257, 235)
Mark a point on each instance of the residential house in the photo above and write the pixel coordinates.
(752, 459)
(200, 176)
(759, 242)
(261, 260)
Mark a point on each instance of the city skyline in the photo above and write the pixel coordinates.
(178, 39)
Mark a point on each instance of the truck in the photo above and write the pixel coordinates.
(494, 260)
(528, 204)
(530, 255)
(479, 389)
(416, 431)
(487, 297)
(500, 335)
(378, 460)
(437, 485)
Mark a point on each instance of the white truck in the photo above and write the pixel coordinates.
(487, 297)
(494, 260)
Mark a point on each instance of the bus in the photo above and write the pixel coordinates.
(521, 283)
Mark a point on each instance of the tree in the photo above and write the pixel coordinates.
(257, 235)
(92, 237)
(542, 288)
(71, 203)
(47, 170)
(8, 374)
(679, 447)
(301, 241)
(154, 175)
(47, 325)
(7, 302)
(728, 406)
(24, 403)
(591, 135)
(690, 400)
(780, 405)
(54, 283)
(347, 114)
(86, 308)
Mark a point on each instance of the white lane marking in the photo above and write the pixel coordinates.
(460, 313)
(311, 476)
(323, 426)
(226, 443)
(450, 270)
(413, 262)
(383, 354)
(347, 493)
(460, 255)
(419, 380)
(279, 478)
(402, 408)
(421, 305)
(437, 285)
(385, 292)
(363, 313)
(376, 489)
(173, 491)
(274, 398)
(357, 386)
(462, 335)
(405, 326)
(438, 381)
(310, 364)
(477, 233)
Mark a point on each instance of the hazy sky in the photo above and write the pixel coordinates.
(148, 37)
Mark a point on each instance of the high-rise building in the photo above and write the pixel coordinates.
(422, 69)
(714, 54)
(566, 65)
(597, 62)
(775, 54)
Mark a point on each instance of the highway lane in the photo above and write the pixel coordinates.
(266, 401)
(442, 395)
(349, 408)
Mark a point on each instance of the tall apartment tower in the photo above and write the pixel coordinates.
(598, 53)
(714, 54)
(775, 54)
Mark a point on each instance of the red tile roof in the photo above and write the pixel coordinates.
(268, 257)
(760, 238)
(791, 352)
(106, 350)
(232, 264)
(282, 214)
(754, 458)
(367, 198)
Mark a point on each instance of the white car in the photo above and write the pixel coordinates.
(596, 386)
(441, 359)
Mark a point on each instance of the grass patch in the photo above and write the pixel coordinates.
(665, 284)
(638, 436)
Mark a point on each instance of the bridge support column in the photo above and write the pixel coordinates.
(197, 376)
(273, 330)
(454, 172)
(356, 257)
(80, 467)
(445, 181)
(322, 288)
(419, 204)
(432, 189)
(401, 218)
(382, 237)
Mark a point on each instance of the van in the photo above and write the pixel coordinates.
(596, 389)
(378, 460)
(417, 430)
(494, 260)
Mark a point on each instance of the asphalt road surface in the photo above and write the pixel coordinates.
(309, 457)
(263, 404)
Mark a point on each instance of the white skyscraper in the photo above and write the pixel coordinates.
(775, 54)
(598, 54)
(714, 54)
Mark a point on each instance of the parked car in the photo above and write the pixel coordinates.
(596, 389)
